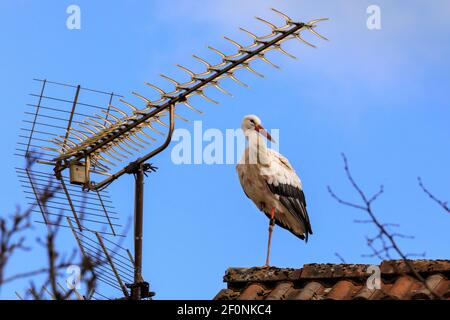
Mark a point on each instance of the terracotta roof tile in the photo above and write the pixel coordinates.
(422, 266)
(367, 294)
(337, 281)
(342, 290)
(227, 294)
(402, 287)
(316, 271)
(246, 275)
(280, 292)
(253, 292)
(312, 291)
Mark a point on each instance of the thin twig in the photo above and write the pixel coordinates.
(340, 257)
(443, 204)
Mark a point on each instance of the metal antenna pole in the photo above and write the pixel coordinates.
(138, 223)
(140, 289)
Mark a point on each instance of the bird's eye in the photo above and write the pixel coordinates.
(252, 121)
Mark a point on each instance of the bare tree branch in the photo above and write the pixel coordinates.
(384, 237)
(11, 238)
(14, 231)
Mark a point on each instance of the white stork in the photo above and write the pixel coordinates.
(269, 180)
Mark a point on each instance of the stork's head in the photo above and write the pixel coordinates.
(253, 123)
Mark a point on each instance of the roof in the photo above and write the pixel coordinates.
(337, 282)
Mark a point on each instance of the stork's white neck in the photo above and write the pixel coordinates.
(257, 148)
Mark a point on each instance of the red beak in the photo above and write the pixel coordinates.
(263, 132)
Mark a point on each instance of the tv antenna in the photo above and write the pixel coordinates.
(91, 151)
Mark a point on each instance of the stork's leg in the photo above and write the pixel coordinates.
(271, 224)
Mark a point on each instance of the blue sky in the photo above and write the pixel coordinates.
(380, 96)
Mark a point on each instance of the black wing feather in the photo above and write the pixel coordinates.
(293, 199)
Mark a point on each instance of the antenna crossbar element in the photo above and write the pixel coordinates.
(111, 263)
(110, 135)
